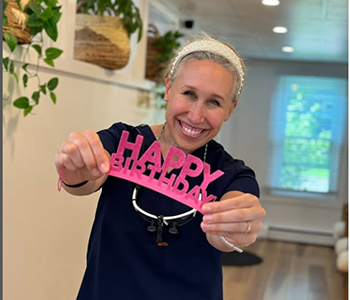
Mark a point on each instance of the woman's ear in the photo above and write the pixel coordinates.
(232, 108)
(167, 88)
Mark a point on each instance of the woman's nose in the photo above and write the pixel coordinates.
(196, 113)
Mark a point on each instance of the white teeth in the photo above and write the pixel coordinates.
(191, 132)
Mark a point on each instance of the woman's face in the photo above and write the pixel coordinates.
(199, 100)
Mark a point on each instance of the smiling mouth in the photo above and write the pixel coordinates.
(194, 132)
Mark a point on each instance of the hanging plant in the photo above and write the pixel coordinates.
(160, 50)
(126, 10)
(102, 32)
(24, 22)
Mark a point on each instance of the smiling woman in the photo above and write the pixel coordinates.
(203, 83)
(196, 110)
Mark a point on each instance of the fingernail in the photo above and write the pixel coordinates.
(205, 226)
(95, 172)
(207, 218)
(104, 168)
(206, 208)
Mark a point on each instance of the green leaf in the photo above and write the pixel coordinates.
(101, 7)
(49, 62)
(47, 14)
(11, 41)
(4, 6)
(37, 48)
(35, 7)
(140, 32)
(5, 62)
(53, 97)
(52, 84)
(90, 3)
(15, 75)
(27, 110)
(56, 14)
(4, 17)
(43, 88)
(24, 67)
(34, 21)
(53, 53)
(25, 80)
(12, 66)
(19, 5)
(51, 29)
(36, 96)
(50, 3)
(34, 30)
(22, 102)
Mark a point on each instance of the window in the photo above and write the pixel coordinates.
(307, 129)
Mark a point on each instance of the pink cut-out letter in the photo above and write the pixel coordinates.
(208, 178)
(153, 155)
(116, 162)
(137, 170)
(170, 163)
(134, 147)
(184, 184)
(206, 198)
(194, 194)
(165, 183)
(187, 171)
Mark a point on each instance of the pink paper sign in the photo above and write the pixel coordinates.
(175, 187)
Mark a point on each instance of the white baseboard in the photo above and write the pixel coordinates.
(297, 235)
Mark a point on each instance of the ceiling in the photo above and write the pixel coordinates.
(317, 29)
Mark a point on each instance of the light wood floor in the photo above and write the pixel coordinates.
(289, 271)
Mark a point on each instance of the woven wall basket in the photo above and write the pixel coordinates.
(153, 69)
(101, 40)
(13, 24)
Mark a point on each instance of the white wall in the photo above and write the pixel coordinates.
(45, 232)
(246, 137)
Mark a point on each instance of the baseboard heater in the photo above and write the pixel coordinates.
(299, 235)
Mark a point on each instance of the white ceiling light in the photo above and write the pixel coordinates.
(288, 49)
(280, 29)
(270, 2)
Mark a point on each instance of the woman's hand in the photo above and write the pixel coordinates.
(83, 157)
(237, 217)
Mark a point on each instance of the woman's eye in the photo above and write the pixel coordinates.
(189, 93)
(214, 102)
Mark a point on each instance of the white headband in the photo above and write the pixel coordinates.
(213, 47)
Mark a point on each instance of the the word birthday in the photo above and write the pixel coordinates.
(176, 187)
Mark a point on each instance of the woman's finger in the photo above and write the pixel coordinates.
(100, 155)
(237, 227)
(70, 149)
(235, 215)
(227, 229)
(63, 160)
(242, 201)
(81, 152)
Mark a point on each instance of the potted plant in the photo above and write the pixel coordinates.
(103, 30)
(24, 22)
(160, 50)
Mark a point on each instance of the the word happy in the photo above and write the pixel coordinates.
(176, 186)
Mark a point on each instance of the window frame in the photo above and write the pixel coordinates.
(276, 148)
